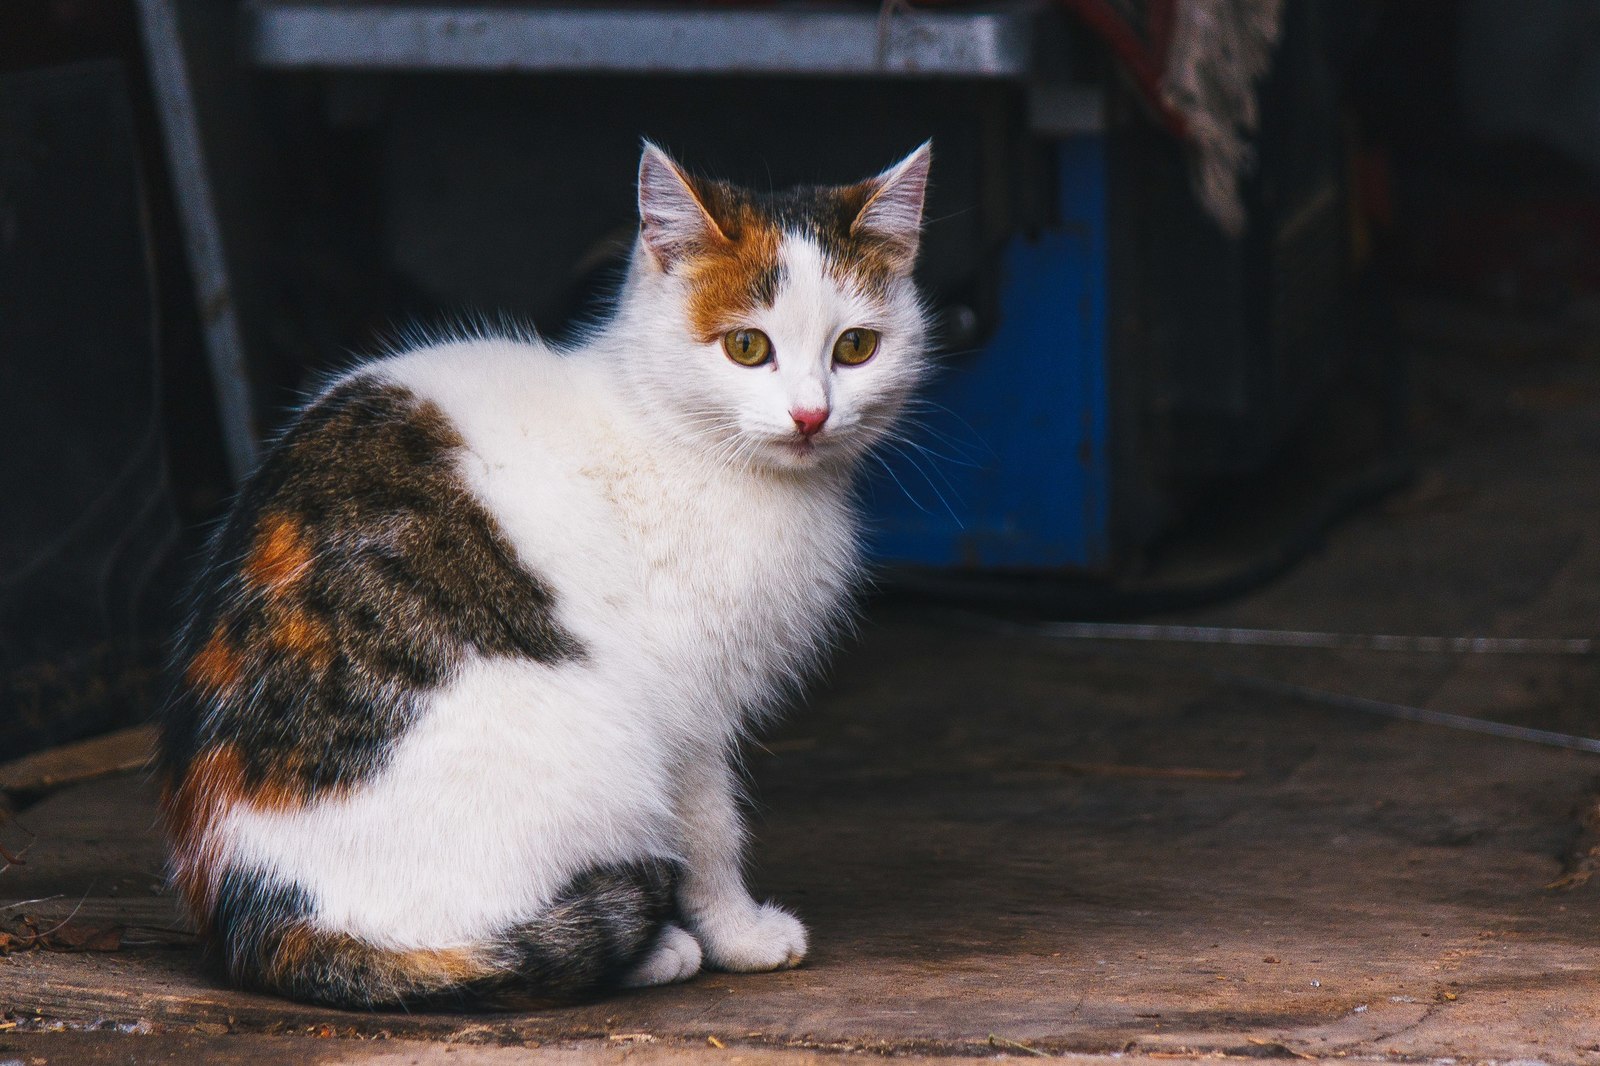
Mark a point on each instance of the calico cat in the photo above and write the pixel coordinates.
(456, 711)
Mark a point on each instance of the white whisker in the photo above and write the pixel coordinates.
(912, 460)
(896, 478)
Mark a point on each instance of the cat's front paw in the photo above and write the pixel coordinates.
(765, 937)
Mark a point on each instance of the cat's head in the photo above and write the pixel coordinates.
(786, 330)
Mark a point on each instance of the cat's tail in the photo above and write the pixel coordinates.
(598, 928)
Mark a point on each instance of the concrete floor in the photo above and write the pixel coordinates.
(977, 826)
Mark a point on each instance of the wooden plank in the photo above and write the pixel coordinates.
(167, 990)
(68, 764)
(157, 912)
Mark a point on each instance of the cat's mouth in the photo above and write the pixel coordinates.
(794, 451)
(798, 452)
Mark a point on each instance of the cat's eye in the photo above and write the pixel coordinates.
(855, 346)
(747, 347)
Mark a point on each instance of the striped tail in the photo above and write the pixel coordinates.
(600, 927)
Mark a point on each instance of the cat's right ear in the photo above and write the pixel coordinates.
(672, 220)
(893, 211)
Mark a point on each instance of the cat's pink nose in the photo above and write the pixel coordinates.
(808, 422)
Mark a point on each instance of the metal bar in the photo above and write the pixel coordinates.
(1293, 638)
(197, 211)
(1407, 713)
(793, 40)
(1270, 686)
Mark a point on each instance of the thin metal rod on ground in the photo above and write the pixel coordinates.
(1294, 638)
(1407, 713)
(1343, 701)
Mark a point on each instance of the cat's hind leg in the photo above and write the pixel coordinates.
(675, 957)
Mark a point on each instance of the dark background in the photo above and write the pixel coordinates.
(1470, 174)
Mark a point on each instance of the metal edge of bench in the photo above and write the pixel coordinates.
(998, 43)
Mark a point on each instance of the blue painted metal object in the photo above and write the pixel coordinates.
(1017, 471)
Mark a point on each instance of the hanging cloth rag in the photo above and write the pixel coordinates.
(1196, 64)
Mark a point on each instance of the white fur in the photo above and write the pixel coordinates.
(676, 957)
(702, 559)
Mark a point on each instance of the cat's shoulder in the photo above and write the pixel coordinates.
(476, 368)
(488, 388)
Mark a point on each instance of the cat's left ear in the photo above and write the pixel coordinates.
(893, 212)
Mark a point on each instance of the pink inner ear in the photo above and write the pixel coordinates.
(894, 211)
(672, 220)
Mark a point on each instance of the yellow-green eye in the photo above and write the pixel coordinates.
(855, 346)
(747, 347)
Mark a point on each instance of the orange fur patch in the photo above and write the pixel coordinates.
(442, 965)
(278, 561)
(724, 279)
(870, 267)
(294, 949)
(298, 632)
(299, 945)
(869, 272)
(217, 666)
(863, 260)
(191, 808)
(280, 556)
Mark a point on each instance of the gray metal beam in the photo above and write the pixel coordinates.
(197, 211)
(996, 42)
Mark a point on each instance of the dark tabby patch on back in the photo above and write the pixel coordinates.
(729, 280)
(355, 571)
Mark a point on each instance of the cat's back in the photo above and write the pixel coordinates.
(356, 566)
(507, 396)
(353, 566)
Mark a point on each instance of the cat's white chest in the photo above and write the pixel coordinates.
(741, 583)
